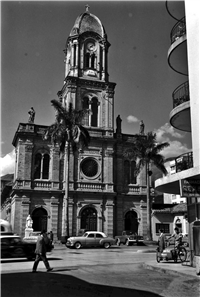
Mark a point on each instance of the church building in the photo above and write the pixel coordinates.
(104, 192)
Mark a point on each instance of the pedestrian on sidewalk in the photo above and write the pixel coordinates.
(161, 241)
(40, 251)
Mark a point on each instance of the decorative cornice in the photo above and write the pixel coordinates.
(70, 80)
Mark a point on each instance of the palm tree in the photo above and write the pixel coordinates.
(67, 132)
(146, 151)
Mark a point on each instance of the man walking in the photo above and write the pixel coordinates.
(41, 252)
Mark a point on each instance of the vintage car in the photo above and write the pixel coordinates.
(6, 227)
(12, 246)
(129, 238)
(135, 239)
(90, 239)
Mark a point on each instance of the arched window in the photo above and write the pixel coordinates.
(90, 119)
(39, 217)
(89, 219)
(45, 171)
(129, 172)
(93, 61)
(37, 166)
(90, 54)
(86, 106)
(126, 172)
(131, 222)
(133, 176)
(87, 60)
(41, 166)
(74, 62)
(94, 116)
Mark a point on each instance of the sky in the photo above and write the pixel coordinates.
(33, 37)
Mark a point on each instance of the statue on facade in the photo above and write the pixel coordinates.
(31, 113)
(118, 124)
(29, 222)
(142, 127)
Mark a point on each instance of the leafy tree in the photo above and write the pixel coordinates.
(67, 131)
(147, 151)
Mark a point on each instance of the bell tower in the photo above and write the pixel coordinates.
(86, 83)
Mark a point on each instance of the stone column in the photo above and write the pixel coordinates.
(100, 226)
(72, 57)
(143, 222)
(103, 63)
(28, 162)
(54, 216)
(109, 217)
(78, 217)
(119, 215)
(25, 210)
(76, 55)
(54, 165)
(71, 204)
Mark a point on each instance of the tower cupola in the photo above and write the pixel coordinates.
(86, 48)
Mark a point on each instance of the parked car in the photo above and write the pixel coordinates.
(79, 233)
(129, 238)
(32, 239)
(90, 239)
(6, 227)
(12, 246)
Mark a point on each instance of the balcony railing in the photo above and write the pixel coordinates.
(84, 186)
(178, 30)
(184, 162)
(181, 94)
(135, 189)
(36, 184)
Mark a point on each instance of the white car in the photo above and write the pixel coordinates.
(90, 239)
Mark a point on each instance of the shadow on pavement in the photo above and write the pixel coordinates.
(25, 260)
(55, 284)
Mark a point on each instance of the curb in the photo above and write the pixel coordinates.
(168, 271)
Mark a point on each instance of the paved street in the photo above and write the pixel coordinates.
(118, 271)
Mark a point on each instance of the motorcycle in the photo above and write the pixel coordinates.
(172, 253)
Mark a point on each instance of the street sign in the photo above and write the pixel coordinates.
(189, 188)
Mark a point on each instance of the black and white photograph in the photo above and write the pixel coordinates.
(100, 148)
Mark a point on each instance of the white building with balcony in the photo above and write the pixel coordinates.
(183, 57)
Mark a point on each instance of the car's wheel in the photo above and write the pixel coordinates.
(77, 245)
(106, 245)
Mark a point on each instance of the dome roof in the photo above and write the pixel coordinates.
(87, 22)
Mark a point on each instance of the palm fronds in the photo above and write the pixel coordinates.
(147, 151)
(67, 127)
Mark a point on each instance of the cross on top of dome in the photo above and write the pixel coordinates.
(87, 8)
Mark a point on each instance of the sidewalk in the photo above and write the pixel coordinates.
(172, 268)
(169, 266)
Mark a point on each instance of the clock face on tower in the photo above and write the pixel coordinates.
(91, 46)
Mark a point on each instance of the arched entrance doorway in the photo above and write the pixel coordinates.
(39, 217)
(89, 219)
(131, 221)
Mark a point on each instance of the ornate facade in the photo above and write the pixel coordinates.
(104, 193)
